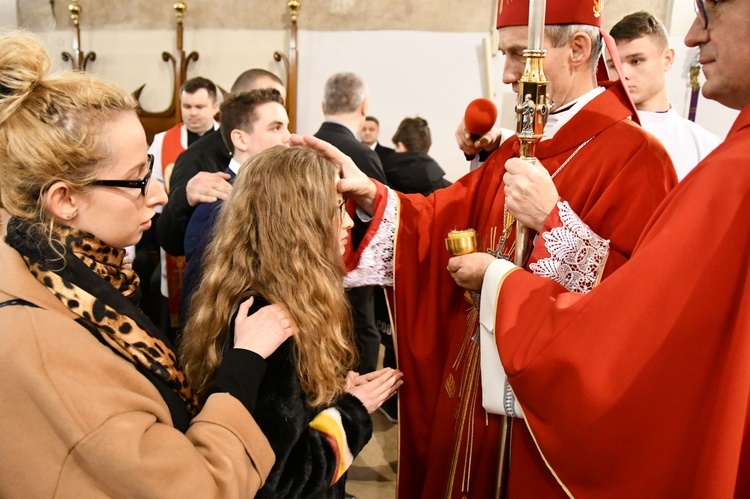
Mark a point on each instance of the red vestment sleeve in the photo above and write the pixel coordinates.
(641, 387)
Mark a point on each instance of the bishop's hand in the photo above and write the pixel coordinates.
(530, 193)
(353, 184)
(468, 270)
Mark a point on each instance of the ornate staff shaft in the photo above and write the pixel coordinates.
(531, 108)
(531, 116)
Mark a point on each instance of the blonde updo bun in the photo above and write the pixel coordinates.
(23, 63)
(50, 125)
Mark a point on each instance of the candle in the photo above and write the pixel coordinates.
(536, 24)
(487, 52)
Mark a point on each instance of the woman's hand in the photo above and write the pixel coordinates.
(372, 389)
(263, 331)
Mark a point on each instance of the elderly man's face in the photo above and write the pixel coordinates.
(513, 41)
(724, 51)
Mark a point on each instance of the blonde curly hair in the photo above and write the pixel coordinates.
(277, 237)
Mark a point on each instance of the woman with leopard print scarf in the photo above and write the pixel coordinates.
(94, 400)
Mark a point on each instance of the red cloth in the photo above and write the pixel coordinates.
(641, 387)
(170, 149)
(516, 12)
(614, 183)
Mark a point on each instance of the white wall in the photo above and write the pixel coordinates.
(223, 55)
(8, 13)
(710, 114)
(432, 75)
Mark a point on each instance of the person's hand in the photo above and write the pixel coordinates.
(372, 389)
(353, 184)
(488, 142)
(530, 193)
(207, 187)
(468, 270)
(263, 331)
(351, 378)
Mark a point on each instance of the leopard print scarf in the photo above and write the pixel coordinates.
(91, 281)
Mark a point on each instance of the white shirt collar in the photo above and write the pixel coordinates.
(235, 166)
(555, 121)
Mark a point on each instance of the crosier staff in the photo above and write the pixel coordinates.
(531, 117)
(531, 109)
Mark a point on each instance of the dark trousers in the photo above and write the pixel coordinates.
(366, 332)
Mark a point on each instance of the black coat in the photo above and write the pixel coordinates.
(208, 154)
(414, 172)
(383, 152)
(364, 157)
(305, 458)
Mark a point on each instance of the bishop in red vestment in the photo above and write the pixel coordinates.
(641, 388)
(608, 172)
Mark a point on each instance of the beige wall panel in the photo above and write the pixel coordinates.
(329, 15)
(614, 10)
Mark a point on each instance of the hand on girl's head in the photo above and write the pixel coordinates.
(265, 330)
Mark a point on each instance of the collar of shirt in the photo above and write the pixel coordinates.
(234, 166)
(558, 119)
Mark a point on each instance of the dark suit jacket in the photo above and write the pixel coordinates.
(198, 234)
(364, 157)
(383, 152)
(208, 154)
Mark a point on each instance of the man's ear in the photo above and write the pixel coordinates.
(61, 201)
(363, 107)
(239, 140)
(580, 49)
(667, 59)
(323, 107)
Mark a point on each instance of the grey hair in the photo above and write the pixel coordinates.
(559, 34)
(344, 93)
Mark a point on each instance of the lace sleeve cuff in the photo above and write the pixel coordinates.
(375, 266)
(572, 254)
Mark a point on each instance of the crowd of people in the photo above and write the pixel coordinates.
(610, 362)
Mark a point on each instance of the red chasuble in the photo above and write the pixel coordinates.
(641, 388)
(171, 148)
(447, 441)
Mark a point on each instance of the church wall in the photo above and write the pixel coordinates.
(413, 62)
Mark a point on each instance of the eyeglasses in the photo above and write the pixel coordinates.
(700, 10)
(131, 184)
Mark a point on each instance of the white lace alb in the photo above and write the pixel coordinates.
(576, 253)
(375, 266)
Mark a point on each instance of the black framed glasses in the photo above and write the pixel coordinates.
(700, 10)
(131, 184)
